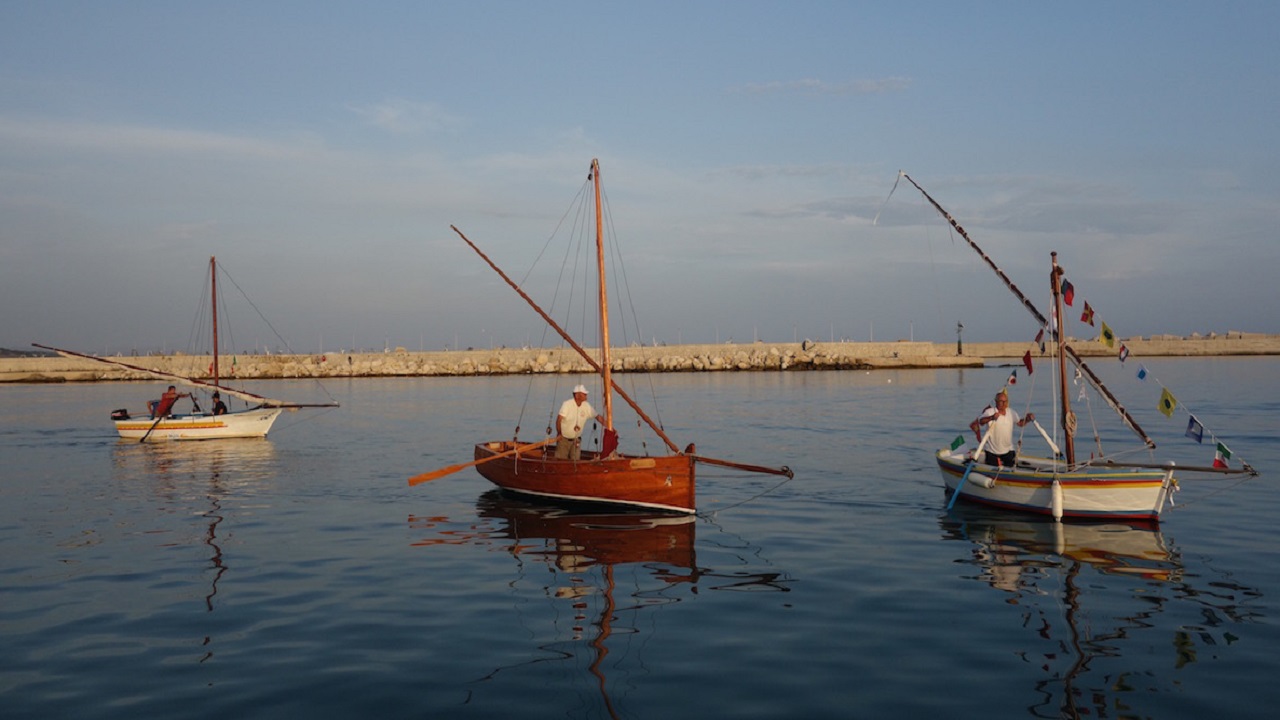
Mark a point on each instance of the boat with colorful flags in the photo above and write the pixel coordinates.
(1063, 482)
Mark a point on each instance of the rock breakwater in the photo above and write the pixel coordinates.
(755, 357)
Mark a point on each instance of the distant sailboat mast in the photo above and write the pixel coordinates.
(213, 283)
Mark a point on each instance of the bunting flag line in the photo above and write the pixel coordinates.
(1221, 457)
(1013, 378)
(1087, 315)
(1167, 402)
(1107, 336)
(1026, 360)
(1195, 430)
(1124, 352)
(1068, 292)
(955, 444)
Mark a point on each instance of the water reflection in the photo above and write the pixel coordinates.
(1090, 593)
(178, 466)
(196, 479)
(603, 572)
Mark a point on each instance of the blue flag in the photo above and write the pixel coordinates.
(1195, 430)
(1142, 373)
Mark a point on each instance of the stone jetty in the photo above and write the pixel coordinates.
(754, 357)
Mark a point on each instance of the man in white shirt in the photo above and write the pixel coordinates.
(570, 421)
(999, 449)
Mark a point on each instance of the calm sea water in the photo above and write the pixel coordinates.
(300, 576)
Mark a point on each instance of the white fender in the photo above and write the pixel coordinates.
(985, 481)
(1057, 500)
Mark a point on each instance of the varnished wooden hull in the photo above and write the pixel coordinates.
(656, 483)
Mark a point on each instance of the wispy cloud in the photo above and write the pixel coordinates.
(813, 86)
(404, 117)
(115, 138)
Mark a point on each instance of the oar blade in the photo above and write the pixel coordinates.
(437, 474)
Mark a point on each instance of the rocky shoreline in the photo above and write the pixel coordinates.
(755, 357)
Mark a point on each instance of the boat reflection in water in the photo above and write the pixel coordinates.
(606, 570)
(194, 480)
(1089, 591)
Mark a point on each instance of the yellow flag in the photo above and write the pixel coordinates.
(1107, 336)
(1167, 402)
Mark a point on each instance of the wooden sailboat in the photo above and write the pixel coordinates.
(1062, 485)
(662, 482)
(254, 421)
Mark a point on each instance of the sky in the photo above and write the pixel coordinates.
(749, 149)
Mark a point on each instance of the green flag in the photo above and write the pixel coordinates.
(957, 442)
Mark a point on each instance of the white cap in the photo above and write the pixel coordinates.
(580, 389)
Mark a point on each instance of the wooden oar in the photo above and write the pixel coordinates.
(1052, 445)
(969, 468)
(436, 474)
(153, 427)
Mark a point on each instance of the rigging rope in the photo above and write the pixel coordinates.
(711, 514)
(575, 310)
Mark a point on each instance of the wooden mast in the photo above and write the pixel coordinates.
(213, 284)
(595, 364)
(1068, 418)
(606, 366)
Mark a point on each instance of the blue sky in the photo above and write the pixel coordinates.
(322, 150)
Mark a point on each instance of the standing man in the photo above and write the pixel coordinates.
(999, 449)
(573, 416)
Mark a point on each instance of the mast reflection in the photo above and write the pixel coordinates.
(608, 570)
(1089, 592)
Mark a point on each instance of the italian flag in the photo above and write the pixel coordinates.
(1221, 457)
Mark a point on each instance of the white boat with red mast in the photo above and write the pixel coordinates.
(161, 423)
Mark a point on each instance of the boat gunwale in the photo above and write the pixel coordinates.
(1084, 475)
